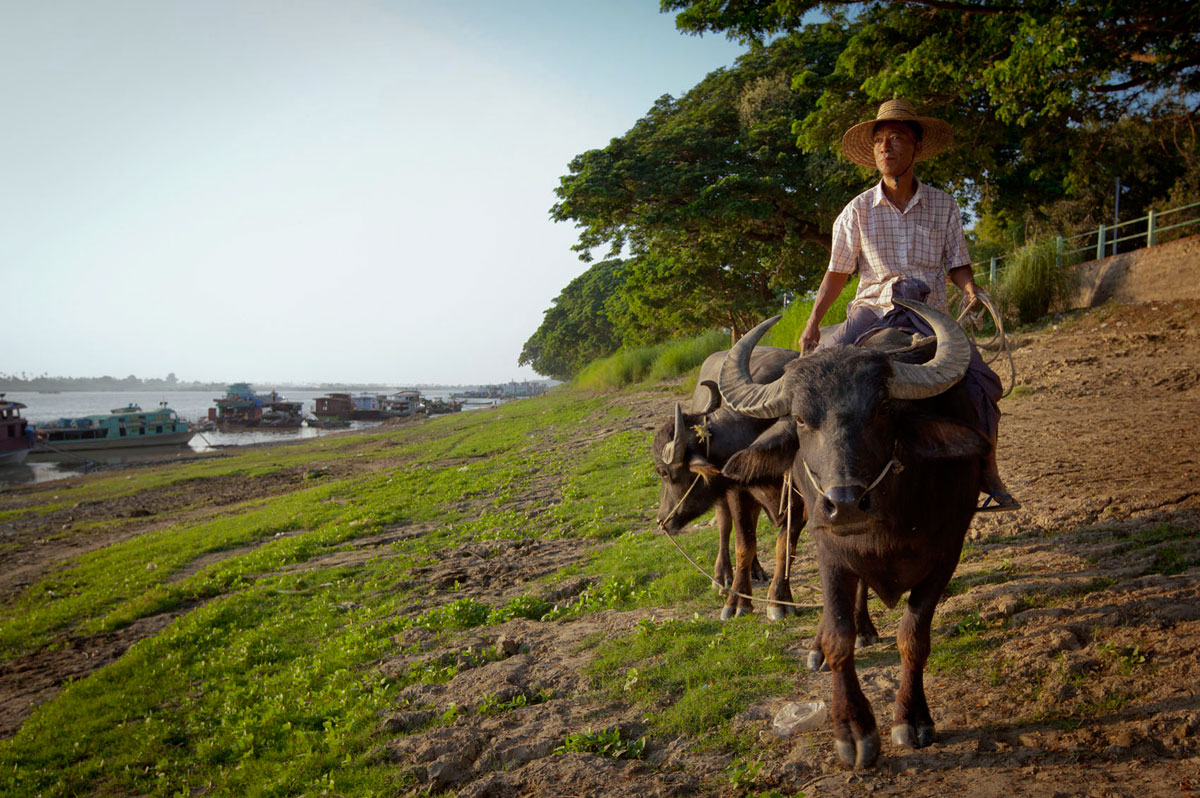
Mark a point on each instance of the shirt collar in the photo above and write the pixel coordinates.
(880, 199)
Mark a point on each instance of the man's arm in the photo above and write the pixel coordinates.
(831, 286)
(964, 278)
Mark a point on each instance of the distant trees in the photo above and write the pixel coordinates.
(577, 328)
(28, 384)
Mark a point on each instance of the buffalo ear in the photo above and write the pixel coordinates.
(769, 457)
(941, 439)
(703, 468)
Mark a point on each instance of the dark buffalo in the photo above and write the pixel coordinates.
(692, 484)
(887, 459)
(689, 453)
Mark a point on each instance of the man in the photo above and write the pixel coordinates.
(904, 238)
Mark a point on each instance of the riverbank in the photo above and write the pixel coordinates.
(480, 606)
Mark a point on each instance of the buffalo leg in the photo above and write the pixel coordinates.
(855, 735)
(913, 724)
(781, 586)
(723, 567)
(867, 634)
(745, 520)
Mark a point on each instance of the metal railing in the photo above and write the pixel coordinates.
(1107, 239)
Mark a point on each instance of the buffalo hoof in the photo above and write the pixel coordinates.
(728, 612)
(756, 571)
(776, 612)
(905, 736)
(816, 661)
(858, 753)
(862, 641)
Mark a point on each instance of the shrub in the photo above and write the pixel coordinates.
(1033, 281)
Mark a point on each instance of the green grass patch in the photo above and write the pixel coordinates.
(692, 676)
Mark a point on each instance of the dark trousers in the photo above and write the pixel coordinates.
(983, 386)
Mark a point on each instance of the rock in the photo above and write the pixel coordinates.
(507, 646)
(406, 721)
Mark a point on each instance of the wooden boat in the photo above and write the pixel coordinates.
(123, 428)
(16, 438)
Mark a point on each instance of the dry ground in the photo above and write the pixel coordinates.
(1090, 596)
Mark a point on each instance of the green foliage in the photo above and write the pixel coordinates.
(577, 328)
(1035, 279)
(607, 743)
(720, 210)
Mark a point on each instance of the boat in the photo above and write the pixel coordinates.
(16, 436)
(242, 408)
(366, 407)
(123, 428)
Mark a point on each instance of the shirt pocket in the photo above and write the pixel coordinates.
(928, 243)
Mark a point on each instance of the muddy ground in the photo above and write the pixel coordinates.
(1089, 595)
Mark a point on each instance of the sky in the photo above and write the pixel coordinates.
(306, 192)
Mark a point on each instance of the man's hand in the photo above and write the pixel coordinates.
(809, 338)
(971, 295)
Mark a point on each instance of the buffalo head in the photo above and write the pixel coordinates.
(849, 419)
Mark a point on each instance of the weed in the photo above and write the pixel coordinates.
(607, 743)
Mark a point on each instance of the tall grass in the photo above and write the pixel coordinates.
(1034, 281)
(677, 357)
(651, 363)
(786, 333)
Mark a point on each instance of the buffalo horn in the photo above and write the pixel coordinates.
(714, 398)
(741, 393)
(949, 362)
(674, 449)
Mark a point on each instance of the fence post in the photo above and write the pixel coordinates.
(1151, 218)
(1058, 251)
(1100, 242)
(992, 271)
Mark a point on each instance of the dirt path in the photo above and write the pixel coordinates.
(1088, 597)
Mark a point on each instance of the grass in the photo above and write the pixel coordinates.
(679, 357)
(1033, 281)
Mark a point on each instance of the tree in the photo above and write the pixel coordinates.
(1033, 89)
(576, 329)
(710, 195)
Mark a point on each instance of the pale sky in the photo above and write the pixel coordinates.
(305, 191)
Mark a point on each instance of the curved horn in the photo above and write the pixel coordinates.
(674, 449)
(714, 398)
(949, 362)
(741, 393)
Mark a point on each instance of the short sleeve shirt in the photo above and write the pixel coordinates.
(885, 244)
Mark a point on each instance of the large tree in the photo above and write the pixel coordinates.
(711, 197)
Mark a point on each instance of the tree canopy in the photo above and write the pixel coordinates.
(722, 199)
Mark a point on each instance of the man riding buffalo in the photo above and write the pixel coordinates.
(904, 237)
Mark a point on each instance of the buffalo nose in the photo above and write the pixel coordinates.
(845, 502)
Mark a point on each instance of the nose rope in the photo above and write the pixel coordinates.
(892, 465)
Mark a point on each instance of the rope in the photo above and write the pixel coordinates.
(662, 526)
(976, 320)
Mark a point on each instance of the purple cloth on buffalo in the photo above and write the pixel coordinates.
(983, 386)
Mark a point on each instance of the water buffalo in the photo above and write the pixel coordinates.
(887, 459)
(689, 453)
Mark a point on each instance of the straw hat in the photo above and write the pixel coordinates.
(858, 146)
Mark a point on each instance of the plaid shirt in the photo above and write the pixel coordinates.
(884, 244)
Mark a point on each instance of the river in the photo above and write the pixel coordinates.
(192, 406)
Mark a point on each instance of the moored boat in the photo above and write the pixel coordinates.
(241, 407)
(16, 437)
(124, 427)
